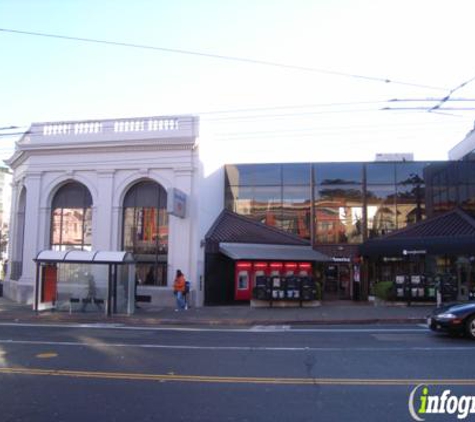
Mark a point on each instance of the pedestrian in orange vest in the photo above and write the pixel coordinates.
(179, 290)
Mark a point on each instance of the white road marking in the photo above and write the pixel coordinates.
(271, 328)
(254, 329)
(97, 344)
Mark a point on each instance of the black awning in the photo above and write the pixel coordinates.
(440, 245)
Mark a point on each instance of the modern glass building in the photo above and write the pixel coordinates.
(340, 207)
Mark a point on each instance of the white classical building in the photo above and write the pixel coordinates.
(125, 184)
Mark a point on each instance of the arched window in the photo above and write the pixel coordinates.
(71, 218)
(145, 231)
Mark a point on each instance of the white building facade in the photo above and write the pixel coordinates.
(108, 185)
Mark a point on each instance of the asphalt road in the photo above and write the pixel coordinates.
(108, 373)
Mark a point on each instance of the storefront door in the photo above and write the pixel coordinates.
(337, 282)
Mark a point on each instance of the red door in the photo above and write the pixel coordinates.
(49, 285)
(243, 284)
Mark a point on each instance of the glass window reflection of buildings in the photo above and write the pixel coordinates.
(71, 218)
(351, 201)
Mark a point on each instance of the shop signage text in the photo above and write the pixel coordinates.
(414, 252)
(176, 204)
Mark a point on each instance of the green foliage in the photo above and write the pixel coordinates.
(384, 290)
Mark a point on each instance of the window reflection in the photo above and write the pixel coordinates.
(467, 198)
(380, 173)
(339, 214)
(145, 231)
(267, 205)
(381, 210)
(71, 218)
(410, 172)
(410, 205)
(296, 174)
(296, 210)
(338, 173)
(254, 174)
(396, 194)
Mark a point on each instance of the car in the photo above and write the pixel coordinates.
(454, 319)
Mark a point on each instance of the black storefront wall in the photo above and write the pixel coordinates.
(219, 279)
(439, 245)
(410, 257)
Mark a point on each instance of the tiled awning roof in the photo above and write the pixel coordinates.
(452, 223)
(234, 228)
(449, 233)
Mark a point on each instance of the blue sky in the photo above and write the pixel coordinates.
(323, 117)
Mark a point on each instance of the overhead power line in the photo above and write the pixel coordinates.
(223, 57)
(447, 97)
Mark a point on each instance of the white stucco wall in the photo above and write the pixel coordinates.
(108, 164)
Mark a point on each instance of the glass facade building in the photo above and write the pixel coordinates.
(338, 207)
(346, 203)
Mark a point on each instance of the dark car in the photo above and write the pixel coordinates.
(455, 319)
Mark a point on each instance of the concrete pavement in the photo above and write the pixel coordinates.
(328, 313)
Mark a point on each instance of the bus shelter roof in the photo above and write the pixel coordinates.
(85, 257)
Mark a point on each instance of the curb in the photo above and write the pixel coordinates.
(238, 322)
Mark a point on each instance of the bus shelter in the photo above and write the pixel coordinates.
(86, 281)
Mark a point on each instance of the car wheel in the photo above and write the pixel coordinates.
(470, 327)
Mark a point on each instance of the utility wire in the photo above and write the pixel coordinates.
(447, 97)
(222, 57)
(424, 100)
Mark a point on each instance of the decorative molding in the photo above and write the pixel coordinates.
(106, 173)
(33, 174)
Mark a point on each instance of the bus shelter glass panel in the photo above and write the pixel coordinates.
(86, 288)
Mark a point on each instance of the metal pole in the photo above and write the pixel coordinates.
(37, 282)
(109, 291)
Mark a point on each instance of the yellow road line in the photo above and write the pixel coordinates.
(233, 380)
(47, 355)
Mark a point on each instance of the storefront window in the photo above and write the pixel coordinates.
(146, 231)
(71, 218)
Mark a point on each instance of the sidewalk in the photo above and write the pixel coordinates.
(327, 313)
